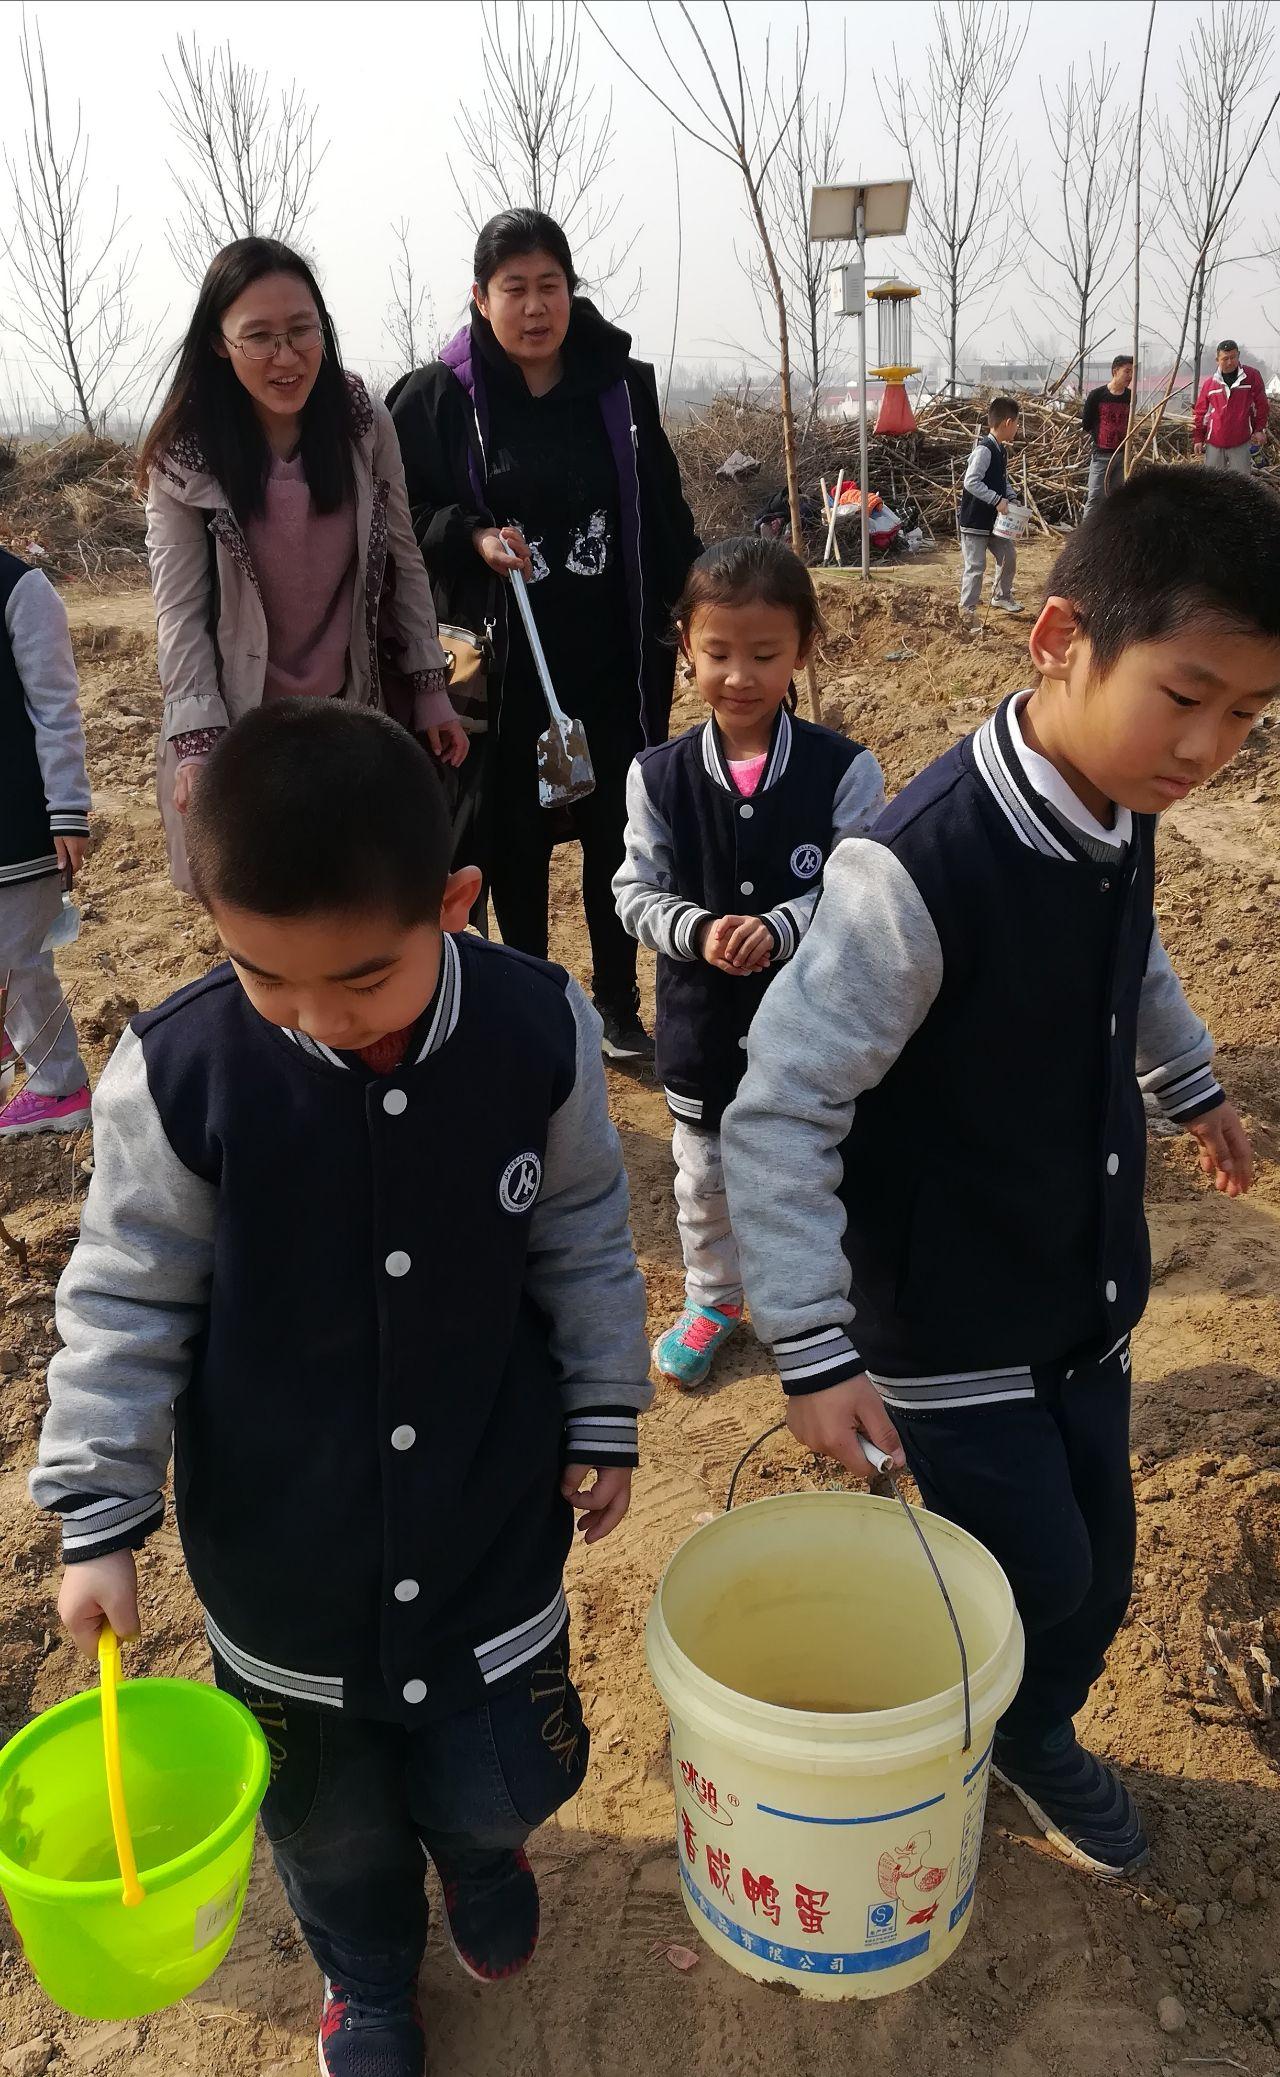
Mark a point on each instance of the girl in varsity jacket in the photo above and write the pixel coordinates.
(728, 830)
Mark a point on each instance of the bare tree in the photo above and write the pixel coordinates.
(965, 236)
(535, 140)
(1089, 145)
(252, 157)
(1203, 151)
(410, 321)
(71, 304)
(1130, 428)
(809, 154)
(743, 120)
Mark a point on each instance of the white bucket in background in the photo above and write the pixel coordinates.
(1013, 525)
(828, 1817)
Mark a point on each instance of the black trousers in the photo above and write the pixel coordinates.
(354, 1808)
(523, 835)
(1045, 1484)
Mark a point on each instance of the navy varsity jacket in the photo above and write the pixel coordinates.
(935, 1163)
(696, 849)
(374, 1315)
(986, 482)
(44, 791)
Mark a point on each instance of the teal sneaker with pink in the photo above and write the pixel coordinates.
(686, 1351)
(26, 1112)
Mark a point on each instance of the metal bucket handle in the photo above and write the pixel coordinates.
(884, 1466)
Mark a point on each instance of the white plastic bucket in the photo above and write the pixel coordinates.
(1014, 524)
(828, 1814)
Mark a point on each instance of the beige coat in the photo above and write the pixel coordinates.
(210, 625)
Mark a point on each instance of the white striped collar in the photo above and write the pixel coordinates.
(442, 1020)
(717, 764)
(1011, 790)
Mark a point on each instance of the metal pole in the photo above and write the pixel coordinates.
(862, 390)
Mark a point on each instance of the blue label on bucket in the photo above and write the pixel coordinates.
(806, 1961)
(882, 1923)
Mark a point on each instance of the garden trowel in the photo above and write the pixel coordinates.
(564, 761)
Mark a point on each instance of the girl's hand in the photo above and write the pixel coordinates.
(600, 1506)
(450, 743)
(504, 549)
(737, 944)
(101, 1590)
(1226, 1152)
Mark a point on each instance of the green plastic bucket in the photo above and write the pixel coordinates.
(195, 1770)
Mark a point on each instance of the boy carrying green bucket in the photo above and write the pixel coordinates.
(935, 1162)
(356, 1247)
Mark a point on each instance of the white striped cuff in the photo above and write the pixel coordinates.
(783, 925)
(810, 1362)
(102, 1526)
(69, 822)
(602, 1438)
(688, 1108)
(682, 931)
(1184, 1088)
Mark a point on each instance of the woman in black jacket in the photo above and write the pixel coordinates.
(535, 442)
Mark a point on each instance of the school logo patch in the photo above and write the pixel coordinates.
(520, 1183)
(806, 861)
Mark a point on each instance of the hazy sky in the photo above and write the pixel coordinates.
(385, 79)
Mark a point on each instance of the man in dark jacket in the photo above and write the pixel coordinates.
(1105, 419)
(536, 431)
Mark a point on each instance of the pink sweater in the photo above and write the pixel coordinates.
(305, 563)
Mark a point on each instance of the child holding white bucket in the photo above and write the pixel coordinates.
(728, 829)
(357, 1232)
(935, 1162)
(984, 500)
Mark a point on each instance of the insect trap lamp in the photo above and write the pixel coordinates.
(893, 300)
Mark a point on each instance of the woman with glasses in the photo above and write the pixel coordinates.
(283, 559)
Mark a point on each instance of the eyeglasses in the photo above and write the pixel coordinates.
(264, 346)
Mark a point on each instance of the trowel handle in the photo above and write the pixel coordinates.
(521, 591)
(878, 1457)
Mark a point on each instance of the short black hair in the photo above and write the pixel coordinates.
(1001, 408)
(1169, 547)
(310, 806)
(513, 235)
(1227, 346)
(1122, 360)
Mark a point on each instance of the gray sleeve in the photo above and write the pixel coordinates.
(859, 800)
(131, 1302)
(975, 476)
(581, 1267)
(644, 885)
(829, 1028)
(36, 620)
(1175, 1051)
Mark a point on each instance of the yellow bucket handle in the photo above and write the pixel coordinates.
(109, 1669)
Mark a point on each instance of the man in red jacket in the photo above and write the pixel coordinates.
(1231, 413)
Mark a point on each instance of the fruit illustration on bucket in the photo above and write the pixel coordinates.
(829, 1754)
(126, 1838)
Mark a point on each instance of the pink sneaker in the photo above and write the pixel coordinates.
(27, 1112)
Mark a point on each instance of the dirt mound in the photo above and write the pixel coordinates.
(71, 507)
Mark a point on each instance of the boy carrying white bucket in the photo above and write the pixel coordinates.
(935, 1161)
(986, 512)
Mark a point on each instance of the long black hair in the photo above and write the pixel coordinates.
(209, 404)
(514, 234)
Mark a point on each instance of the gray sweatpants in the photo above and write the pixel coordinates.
(37, 1016)
(973, 548)
(712, 1275)
(1100, 484)
(1237, 459)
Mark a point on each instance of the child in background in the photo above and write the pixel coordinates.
(357, 1232)
(728, 829)
(935, 1162)
(984, 497)
(44, 831)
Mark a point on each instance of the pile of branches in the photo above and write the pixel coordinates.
(919, 475)
(70, 507)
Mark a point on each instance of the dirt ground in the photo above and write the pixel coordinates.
(1058, 1973)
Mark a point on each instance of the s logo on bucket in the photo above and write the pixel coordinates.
(806, 861)
(520, 1183)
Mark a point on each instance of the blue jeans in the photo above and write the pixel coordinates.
(353, 1807)
(1045, 1484)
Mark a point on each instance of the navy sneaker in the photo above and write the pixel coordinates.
(491, 1913)
(358, 2039)
(1081, 1806)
